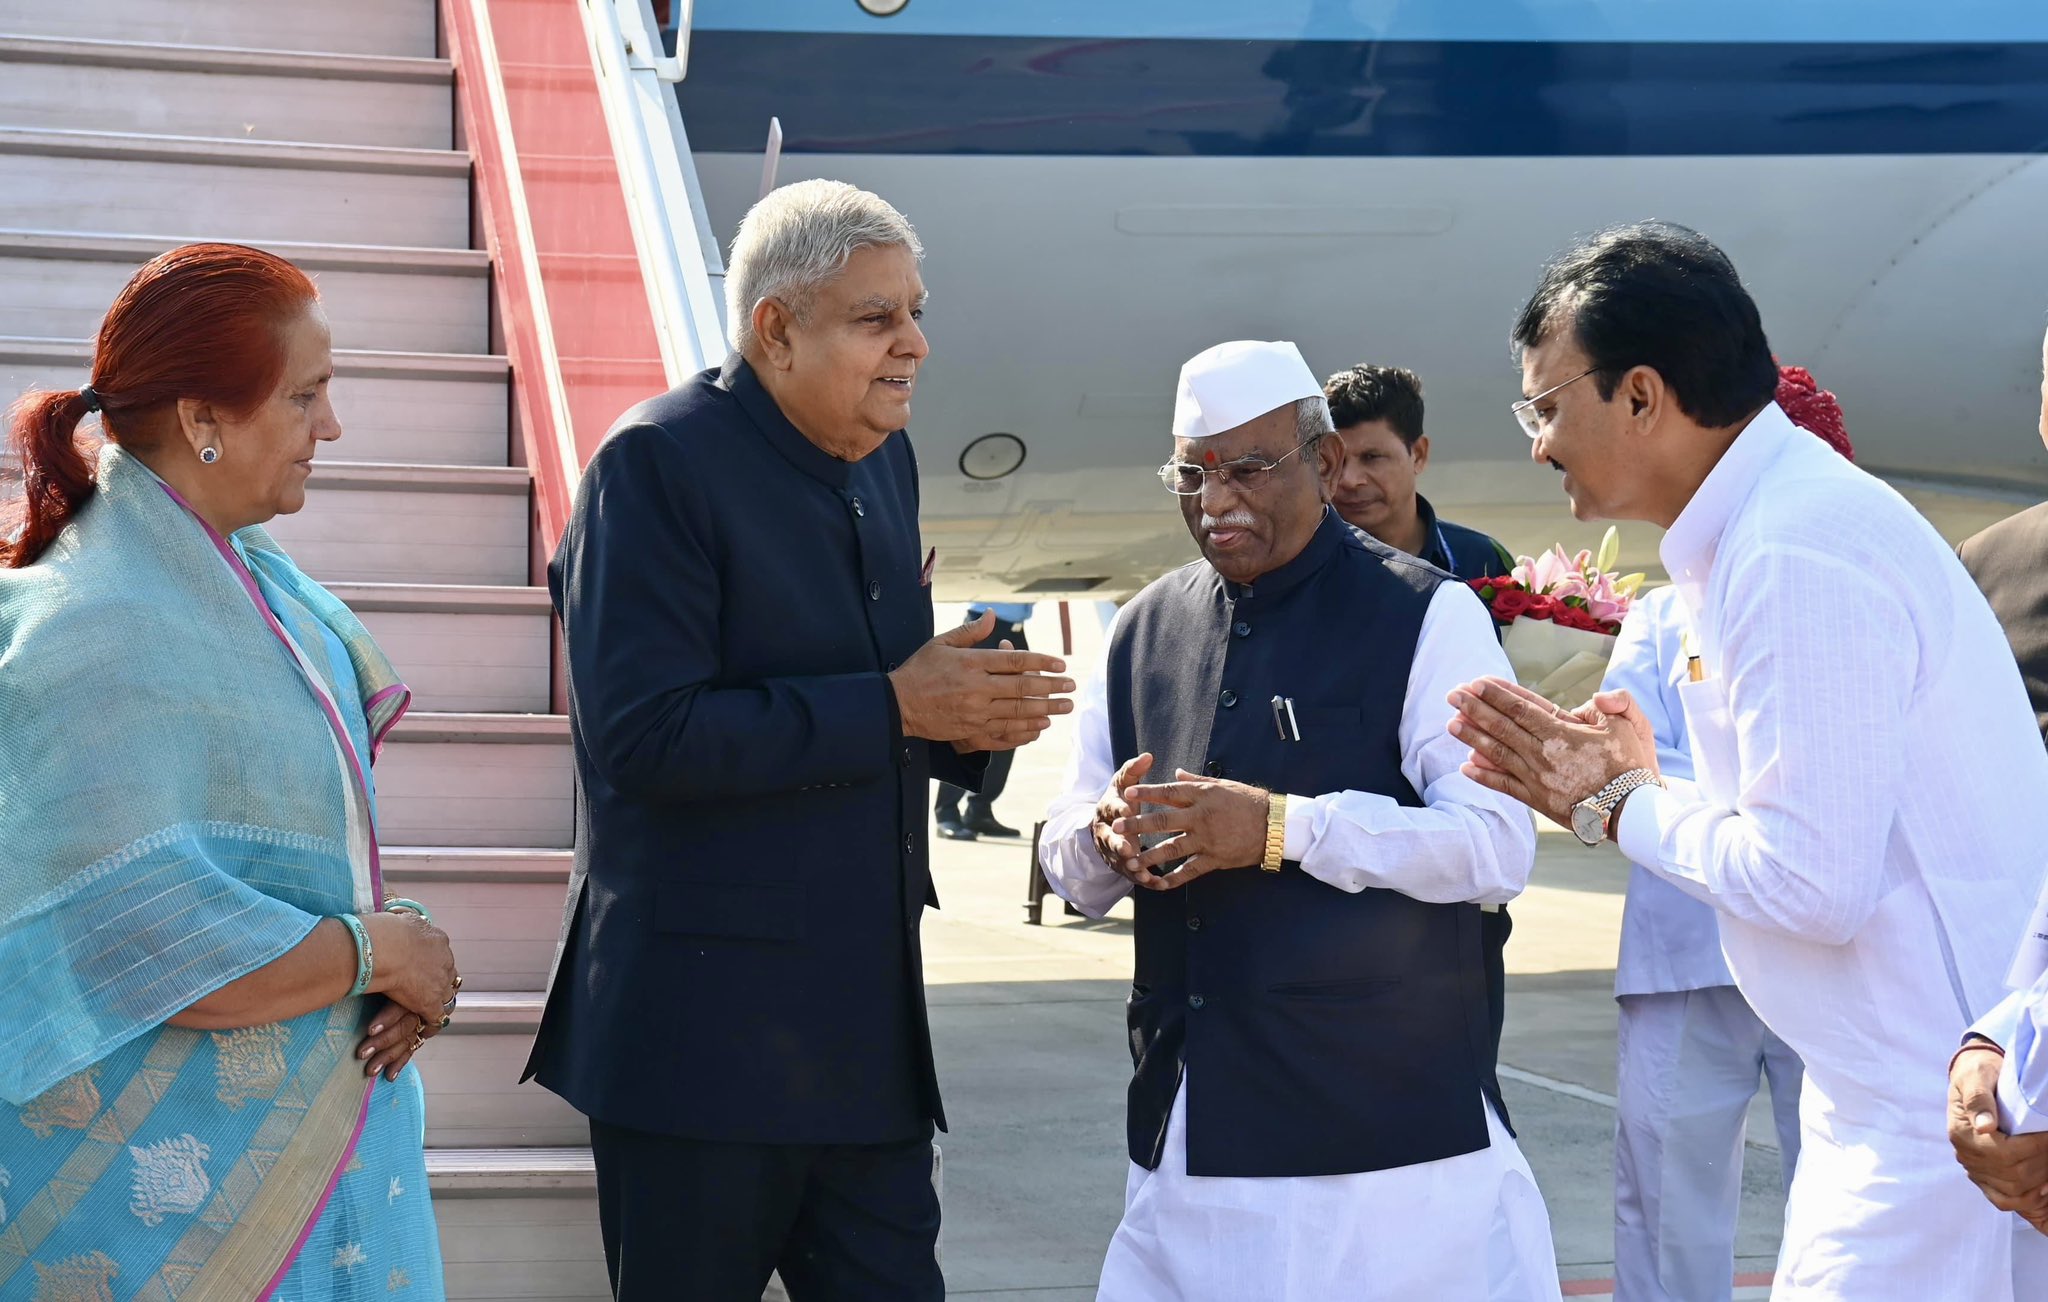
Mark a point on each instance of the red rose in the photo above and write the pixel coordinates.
(1578, 617)
(1543, 606)
(1510, 604)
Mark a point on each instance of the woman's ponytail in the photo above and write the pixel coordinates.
(56, 473)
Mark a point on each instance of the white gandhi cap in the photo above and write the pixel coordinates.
(1223, 387)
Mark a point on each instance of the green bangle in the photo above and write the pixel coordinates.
(399, 904)
(366, 954)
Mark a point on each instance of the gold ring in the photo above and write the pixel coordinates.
(458, 980)
(419, 1037)
(444, 1022)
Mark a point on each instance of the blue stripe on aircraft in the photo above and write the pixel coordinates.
(1837, 21)
(878, 94)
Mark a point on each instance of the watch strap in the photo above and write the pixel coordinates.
(1610, 798)
(1276, 832)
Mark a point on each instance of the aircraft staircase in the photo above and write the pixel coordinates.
(329, 133)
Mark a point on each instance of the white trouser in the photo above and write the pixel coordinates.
(1688, 1064)
(1471, 1228)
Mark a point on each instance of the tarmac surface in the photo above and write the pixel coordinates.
(1029, 1027)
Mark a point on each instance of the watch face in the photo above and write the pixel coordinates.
(1588, 823)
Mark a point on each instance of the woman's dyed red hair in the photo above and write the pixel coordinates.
(204, 321)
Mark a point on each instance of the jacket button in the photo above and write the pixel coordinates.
(875, 591)
(910, 843)
(1194, 1001)
(858, 509)
(1227, 700)
(1214, 768)
(1242, 629)
(906, 754)
(1194, 923)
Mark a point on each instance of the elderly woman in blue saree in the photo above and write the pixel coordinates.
(207, 1007)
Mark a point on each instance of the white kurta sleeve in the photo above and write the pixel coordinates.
(1066, 846)
(1466, 844)
(2019, 1026)
(1821, 660)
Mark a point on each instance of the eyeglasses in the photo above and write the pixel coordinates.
(1524, 411)
(1247, 473)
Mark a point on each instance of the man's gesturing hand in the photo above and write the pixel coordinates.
(1209, 822)
(1546, 757)
(953, 691)
(1117, 850)
(2012, 1170)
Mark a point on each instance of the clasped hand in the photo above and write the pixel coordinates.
(1547, 757)
(1209, 823)
(954, 691)
(2012, 1170)
(418, 986)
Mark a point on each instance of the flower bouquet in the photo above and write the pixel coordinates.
(1561, 614)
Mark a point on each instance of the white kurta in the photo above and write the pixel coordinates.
(1862, 742)
(1471, 1226)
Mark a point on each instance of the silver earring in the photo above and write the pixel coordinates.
(209, 455)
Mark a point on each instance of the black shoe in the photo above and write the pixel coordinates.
(983, 824)
(953, 830)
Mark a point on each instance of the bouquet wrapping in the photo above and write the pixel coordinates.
(1560, 614)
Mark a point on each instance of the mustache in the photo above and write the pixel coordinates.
(1234, 520)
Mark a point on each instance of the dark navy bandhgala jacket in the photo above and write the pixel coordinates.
(741, 955)
(1317, 1031)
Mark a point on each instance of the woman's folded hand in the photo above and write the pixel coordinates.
(415, 966)
(390, 1043)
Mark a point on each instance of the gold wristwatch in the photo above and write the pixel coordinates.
(1276, 832)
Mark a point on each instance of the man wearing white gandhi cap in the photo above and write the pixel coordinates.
(1262, 760)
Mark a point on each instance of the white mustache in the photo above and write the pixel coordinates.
(1235, 520)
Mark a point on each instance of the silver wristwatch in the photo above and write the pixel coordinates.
(1589, 816)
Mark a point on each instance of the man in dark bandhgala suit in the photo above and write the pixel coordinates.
(758, 706)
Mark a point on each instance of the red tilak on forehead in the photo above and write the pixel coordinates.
(1209, 457)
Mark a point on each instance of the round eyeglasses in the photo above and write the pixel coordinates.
(1250, 474)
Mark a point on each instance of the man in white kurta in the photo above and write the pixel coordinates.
(1998, 1082)
(1471, 1225)
(1689, 1050)
(1862, 743)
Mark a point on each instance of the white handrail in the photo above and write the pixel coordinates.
(679, 257)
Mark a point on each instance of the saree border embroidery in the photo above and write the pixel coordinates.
(251, 1228)
(86, 1277)
(106, 1141)
(70, 1104)
(249, 1063)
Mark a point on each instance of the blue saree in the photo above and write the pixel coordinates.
(186, 729)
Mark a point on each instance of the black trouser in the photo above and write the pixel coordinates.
(947, 806)
(707, 1222)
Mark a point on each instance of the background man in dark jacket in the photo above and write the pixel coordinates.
(758, 705)
(1378, 413)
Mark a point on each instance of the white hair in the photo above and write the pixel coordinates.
(796, 239)
(1312, 419)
